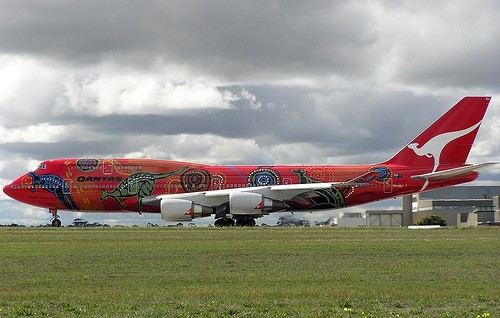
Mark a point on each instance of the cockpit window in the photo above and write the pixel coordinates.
(42, 166)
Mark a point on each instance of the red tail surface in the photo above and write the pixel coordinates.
(447, 142)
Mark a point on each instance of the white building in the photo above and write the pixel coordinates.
(350, 219)
(458, 206)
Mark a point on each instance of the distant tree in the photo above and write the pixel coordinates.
(432, 220)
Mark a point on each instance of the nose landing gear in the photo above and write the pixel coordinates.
(56, 222)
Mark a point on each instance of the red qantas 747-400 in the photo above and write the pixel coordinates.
(181, 191)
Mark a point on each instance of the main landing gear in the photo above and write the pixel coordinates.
(223, 217)
(222, 222)
(225, 221)
(56, 222)
(246, 221)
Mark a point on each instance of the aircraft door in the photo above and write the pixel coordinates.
(388, 185)
(107, 168)
(216, 184)
(67, 186)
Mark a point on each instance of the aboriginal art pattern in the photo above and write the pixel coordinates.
(378, 174)
(263, 177)
(320, 199)
(55, 185)
(324, 174)
(87, 165)
(194, 180)
(217, 181)
(382, 174)
(138, 185)
(106, 165)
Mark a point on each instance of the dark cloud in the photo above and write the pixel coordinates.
(449, 46)
(348, 125)
(427, 44)
(65, 149)
(234, 39)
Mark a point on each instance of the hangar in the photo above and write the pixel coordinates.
(458, 206)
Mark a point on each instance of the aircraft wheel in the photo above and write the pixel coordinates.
(56, 223)
(223, 222)
(245, 222)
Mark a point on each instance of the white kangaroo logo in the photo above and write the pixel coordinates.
(434, 147)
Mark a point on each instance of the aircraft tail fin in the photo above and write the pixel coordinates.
(447, 142)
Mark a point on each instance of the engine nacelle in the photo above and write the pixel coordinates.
(248, 203)
(179, 210)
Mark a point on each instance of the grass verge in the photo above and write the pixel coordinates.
(249, 272)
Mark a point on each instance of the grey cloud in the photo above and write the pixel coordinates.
(234, 39)
(65, 149)
(351, 125)
(421, 44)
(454, 45)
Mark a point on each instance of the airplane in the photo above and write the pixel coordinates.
(239, 194)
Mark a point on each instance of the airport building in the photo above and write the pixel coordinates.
(349, 219)
(458, 206)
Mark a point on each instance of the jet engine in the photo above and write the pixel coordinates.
(248, 203)
(179, 210)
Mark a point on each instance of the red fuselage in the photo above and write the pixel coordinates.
(117, 185)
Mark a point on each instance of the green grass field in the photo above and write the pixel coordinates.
(249, 272)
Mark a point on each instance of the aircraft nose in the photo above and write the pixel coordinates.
(13, 188)
(8, 189)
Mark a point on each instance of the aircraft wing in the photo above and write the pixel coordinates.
(452, 173)
(276, 192)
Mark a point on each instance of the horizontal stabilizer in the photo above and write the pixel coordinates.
(313, 186)
(452, 173)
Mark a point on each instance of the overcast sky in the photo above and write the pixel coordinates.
(240, 82)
